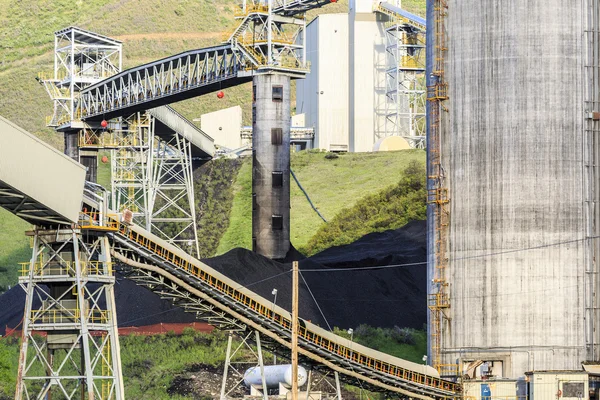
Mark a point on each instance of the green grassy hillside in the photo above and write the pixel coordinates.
(154, 365)
(332, 184)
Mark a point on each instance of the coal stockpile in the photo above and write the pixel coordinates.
(347, 294)
(395, 294)
(136, 306)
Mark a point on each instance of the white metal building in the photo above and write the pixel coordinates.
(344, 96)
(224, 126)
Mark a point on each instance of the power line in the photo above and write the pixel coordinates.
(543, 246)
(315, 300)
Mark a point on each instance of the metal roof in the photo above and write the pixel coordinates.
(37, 182)
(85, 36)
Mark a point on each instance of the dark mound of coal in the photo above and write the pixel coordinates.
(136, 306)
(352, 291)
(347, 289)
(261, 275)
(348, 295)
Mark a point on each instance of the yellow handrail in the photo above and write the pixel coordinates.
(66, 268)
(268, 313)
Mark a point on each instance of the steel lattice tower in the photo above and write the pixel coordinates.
(70, 297)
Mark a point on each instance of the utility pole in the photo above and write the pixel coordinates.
(295, 330)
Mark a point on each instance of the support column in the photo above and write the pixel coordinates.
(271, 165)
(70, 276)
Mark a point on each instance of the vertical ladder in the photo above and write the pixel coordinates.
(438, 194)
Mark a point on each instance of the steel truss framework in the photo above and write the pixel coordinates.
(405, 83)
(160, 276)
(251, 342)
(178, 76)
(237, 368)
(81, 58)
(153, 178)
(272, 37)
(70, 296)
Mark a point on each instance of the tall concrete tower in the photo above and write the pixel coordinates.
(367, 74)
(271, 165)
(513, 184)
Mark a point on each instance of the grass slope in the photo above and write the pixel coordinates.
(151, 364)
(391, 208)
(332, 184)
(14, 248)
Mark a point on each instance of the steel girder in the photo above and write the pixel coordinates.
(175, 78)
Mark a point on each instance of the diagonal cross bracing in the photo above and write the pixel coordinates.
(165, 81)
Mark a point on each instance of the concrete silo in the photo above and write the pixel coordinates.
(512, 183)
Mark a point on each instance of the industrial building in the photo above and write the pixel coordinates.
(344, 96)
(513, 188)
(365, 81)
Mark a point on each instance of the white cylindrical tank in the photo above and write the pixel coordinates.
(274, 375)
(513, 140)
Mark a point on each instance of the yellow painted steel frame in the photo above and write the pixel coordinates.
(284, 322)
(438, 195)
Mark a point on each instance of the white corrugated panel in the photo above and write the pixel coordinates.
(40, 171)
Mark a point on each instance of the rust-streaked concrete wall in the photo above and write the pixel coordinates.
(268, 159)
(512, 152)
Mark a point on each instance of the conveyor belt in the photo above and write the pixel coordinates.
(37, 182)
(197, 287)
(169, 122)
(174, 274)
(165, 81)
(402, 15)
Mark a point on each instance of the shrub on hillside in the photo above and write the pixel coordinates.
(391, 208)
(213, 188)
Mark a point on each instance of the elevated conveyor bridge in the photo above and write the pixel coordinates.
(179, 77)
(198, 288)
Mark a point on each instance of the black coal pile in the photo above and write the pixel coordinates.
(341, 288)
(348, 294)
(136, 306)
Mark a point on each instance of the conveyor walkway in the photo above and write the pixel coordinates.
(163, 266)
(37, 182)
(402, 15)
(165, 81)
(190, 283)
(169, 122)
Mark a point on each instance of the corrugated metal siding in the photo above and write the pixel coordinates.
(40, 171)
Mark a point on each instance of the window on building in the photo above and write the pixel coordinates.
(253, 93)
(254, 206)
(277, 222)
(277, 179)
(278, 93)
(276, 136)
